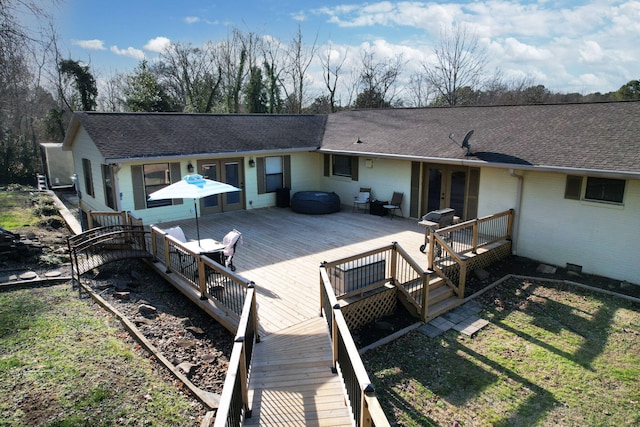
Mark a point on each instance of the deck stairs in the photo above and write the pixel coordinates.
(441, 299)
(291, 381)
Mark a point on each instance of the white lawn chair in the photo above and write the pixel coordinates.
(230, 242)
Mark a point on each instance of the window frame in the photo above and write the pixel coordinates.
(611, 190)
(109, 186)
(151, 187)
(269, 188)
(88, 177)
(347, 166)
(584, 188)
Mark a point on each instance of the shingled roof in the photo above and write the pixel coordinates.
(596, 136)
(599, 137)
(138, 135)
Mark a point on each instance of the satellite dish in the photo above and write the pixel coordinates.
(465, 142)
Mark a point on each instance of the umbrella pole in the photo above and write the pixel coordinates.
(195, 208)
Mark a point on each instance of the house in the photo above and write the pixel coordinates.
(571, 171)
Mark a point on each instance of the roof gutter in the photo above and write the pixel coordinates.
(604, 173)
(206, 155)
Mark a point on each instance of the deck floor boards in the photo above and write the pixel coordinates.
(291, 382)
(282, 251)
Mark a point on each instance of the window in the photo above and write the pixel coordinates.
(108, 181)
(274, 173)
(88, 177)
(596, 189)
(605, 190)
(156, 176)
(341, 166)
(573, 187)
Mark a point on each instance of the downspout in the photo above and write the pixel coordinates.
(518, 208)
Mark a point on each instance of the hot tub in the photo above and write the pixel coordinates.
(315, 202)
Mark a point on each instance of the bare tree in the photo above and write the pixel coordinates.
(191, 76)
(331, 74)
(273, 61)
(235, 57)
(378, 81)
(299, 58)
(459, 63)
(419, 90)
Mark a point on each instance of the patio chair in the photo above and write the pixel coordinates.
(230, 242)
(361, 201)
(184, 262)
(395, 203)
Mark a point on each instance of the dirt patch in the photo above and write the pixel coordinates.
(183, 333)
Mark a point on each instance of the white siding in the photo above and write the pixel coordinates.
(602, 238)
(383, 177)
(84, 148)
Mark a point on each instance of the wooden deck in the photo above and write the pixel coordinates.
(291, 381)
(282, 251)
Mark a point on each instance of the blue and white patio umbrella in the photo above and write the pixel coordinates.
(193, 186)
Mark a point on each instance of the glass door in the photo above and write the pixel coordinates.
(223, 170)
(445, 187)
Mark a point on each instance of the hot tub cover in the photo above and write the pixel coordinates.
(315, 202)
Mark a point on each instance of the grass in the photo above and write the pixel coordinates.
(63, 363)
(15, 210)
(550, 356)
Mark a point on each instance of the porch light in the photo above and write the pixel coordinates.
(190, 167)
(252, 163)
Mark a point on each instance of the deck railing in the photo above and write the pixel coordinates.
(98, 246)
(234, 400)
(346, 360)
(450, 247)
(377, 268)
(211, 279)
(102, 219)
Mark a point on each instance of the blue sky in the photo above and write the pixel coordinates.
(569, 46)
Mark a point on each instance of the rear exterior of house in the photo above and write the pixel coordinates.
(570, 172)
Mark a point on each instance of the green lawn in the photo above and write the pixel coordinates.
(551, 356)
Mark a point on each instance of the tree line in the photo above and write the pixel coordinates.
(243, 73)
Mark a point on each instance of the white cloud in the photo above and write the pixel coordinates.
(90, 44)
(158, 44)
(299, 16)
(130, 52)
(191, 19)
(591, 52)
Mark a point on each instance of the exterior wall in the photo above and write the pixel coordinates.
(306, 170)
(383, 177)
(602, 238)
(305, 173)
(84, 148)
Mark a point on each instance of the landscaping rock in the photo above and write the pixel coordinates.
(29, 275)
(186, 367)
(482, 274)
(146, 309)
(546, 269)
(125, 296)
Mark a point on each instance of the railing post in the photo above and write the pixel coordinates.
(425, 295)
(394, 261)
(432, 249)
(90, 220)
(202, 278)
(510, 224)
(474, 238)
(244, 384)
(254, 310)
(334, 338)
(167, 257)
(463, 278)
